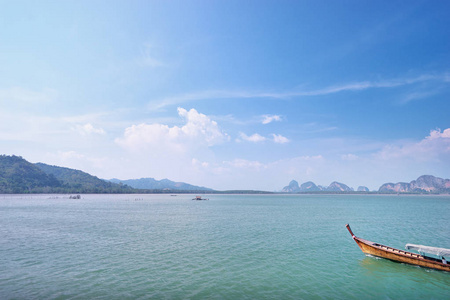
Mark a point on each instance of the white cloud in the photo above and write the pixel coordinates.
(257, 138)
(418, 95)
(199, 164)
(254, 138)
(332, 89)
(199, 130)
(88, 129)
(245, 164)
(437, 134)
(310, 158)
(279, 139)
(270, 118)
(436, 146)
(201, 126)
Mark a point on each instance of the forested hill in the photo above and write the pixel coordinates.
(82, 182)
(20, 176)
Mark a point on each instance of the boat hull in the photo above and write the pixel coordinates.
(398, 255)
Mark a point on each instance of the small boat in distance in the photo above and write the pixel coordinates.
(199, 198)
(411, 258)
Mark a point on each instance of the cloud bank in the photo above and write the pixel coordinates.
(436, 146)
(198, 131)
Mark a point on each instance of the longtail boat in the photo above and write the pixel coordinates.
(406, 257)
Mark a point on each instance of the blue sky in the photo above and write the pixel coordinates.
(229, 94)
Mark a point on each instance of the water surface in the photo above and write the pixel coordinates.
(230, 247)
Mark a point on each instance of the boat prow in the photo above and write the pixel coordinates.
(398, 255)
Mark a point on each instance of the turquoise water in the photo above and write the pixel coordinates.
(230, 247)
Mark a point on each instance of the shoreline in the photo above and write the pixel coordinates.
(237, 192)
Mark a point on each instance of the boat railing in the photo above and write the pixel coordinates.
(395, 250)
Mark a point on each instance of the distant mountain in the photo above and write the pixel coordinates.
(430, 183)
(362, 189)
(310, 186)
(338, 187)
(76, 181)
(292, 187)
(425, 183)
(399, 187)
(20, 176)
(164, 184)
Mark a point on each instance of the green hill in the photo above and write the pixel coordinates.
(18, 176)
(75, 181)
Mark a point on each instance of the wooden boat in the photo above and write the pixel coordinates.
(406, 257)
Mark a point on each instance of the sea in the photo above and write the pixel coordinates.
(228, 247)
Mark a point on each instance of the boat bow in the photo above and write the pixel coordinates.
(398, 255)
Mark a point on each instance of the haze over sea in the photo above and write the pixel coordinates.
(230, 247)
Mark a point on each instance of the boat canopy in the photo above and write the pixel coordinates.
(430, 250)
